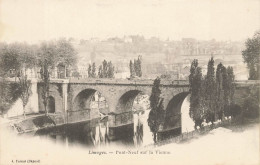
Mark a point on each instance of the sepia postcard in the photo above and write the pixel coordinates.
(129, 82)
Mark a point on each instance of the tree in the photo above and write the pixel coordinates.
(89, 71)
(251, 107)
(76, 74)
(221, 90)
(47, 55)
(251, 56)
(47, 60)
(136, 67)
(110, 71)
(157, 112)
(193, 67)
(100, 72)
(45, 76)
(9, 93)
(65, 52)
(229, 91)
(57, 52)
(139, 62)
(25, 87)
(210, 94)
(105, 69)
(132, 69)
(5, 97)
(93, 74)
(197, 104)
(9, 59)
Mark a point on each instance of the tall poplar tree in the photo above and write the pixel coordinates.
(196, 100)
(210, 95)
(157, 112)
(221, 79)
(110, 71)
(93, 74)
(105, 69)
(229, 91)
(132, 69)
(193, 67)
(100, 72)
(45, 76)
(89, 71)
(25, 87)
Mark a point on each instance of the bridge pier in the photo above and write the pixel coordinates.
(65, 99)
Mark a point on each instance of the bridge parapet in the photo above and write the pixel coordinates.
(147, 82)
(247, 83)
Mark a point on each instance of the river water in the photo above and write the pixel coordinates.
(97, 133)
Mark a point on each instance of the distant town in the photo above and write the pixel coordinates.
(159, 57)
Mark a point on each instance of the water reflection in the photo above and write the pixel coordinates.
(98, 133)
(93, 133)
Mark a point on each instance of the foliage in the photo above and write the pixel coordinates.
(106, 70)
(25, 87)
(251, 103)
(14, 57)
(9, 93)
(166, 76)
(45, 76)
(76, 74)
(210, 94)
(100, 72)
(132, 69)
(157, 113)
(196, 90)
(193, 67)
(66, 52)
(234, 110)
(251, 107)
(229, 91)
(221, 98)
(89, 71)
(110, 71)
(251, 56)
(93, 74)
(139, 64)
(136, 67)
(47, 55)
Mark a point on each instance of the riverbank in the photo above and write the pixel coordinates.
(218, 146)
(32, 123)
(234, 125)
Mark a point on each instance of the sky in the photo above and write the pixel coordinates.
(37, 20)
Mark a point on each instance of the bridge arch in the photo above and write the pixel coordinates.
(126, 101)
(91, 100)
(173, 111)
(51, 104)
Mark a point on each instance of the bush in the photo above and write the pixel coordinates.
(233, 110)
(251, 107)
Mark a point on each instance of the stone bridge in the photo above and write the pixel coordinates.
(72, 98)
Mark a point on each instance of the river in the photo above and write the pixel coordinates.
(97, 133)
